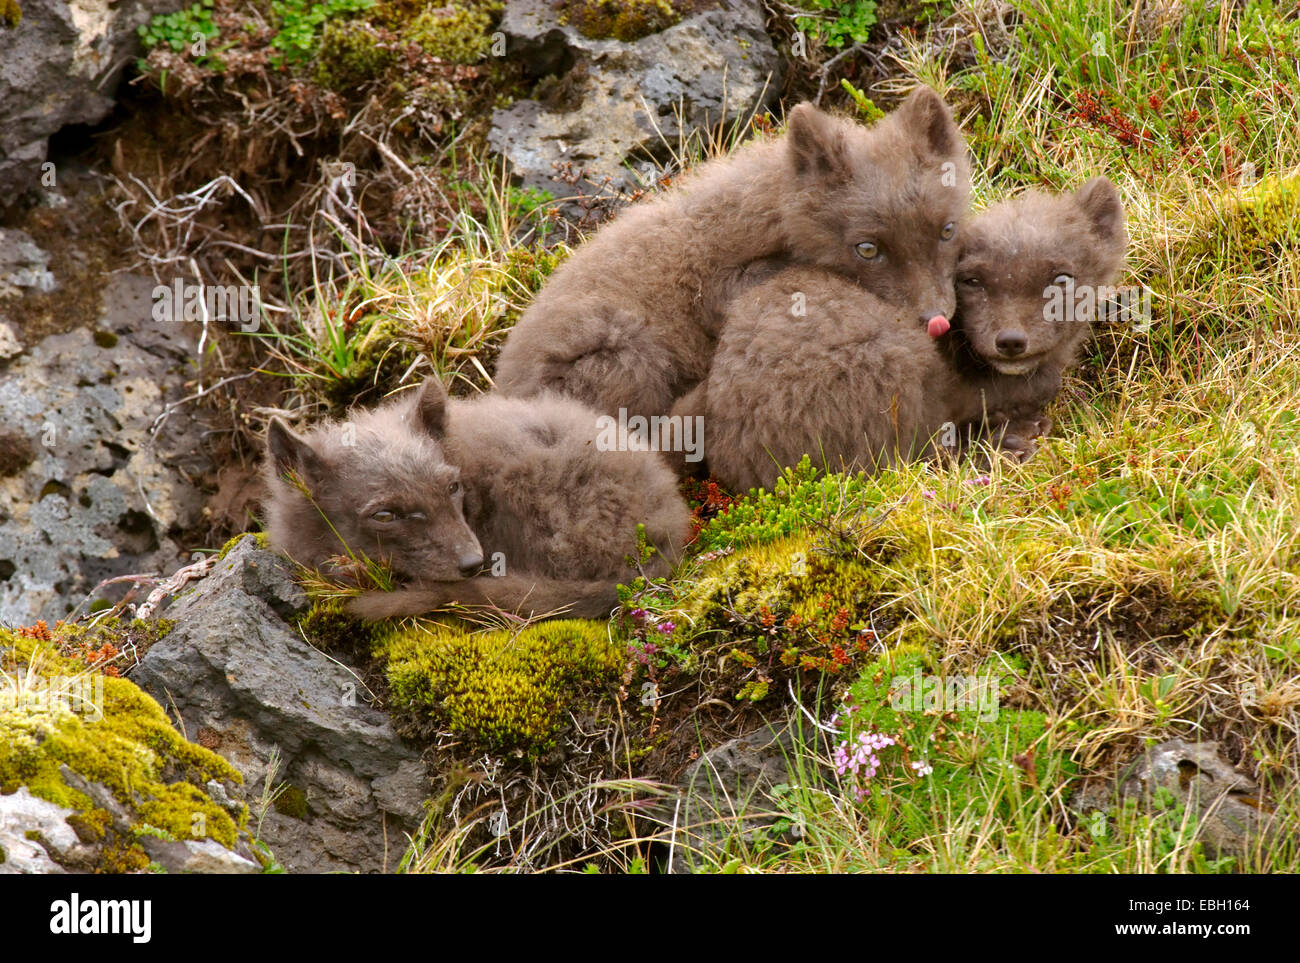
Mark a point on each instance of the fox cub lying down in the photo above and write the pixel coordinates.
(630, 320)
(440, 488)
(851, 383)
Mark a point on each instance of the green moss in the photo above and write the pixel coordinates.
(457, 32)
(1269, 210)
(531, 266)
(332, 631)
(625, 20)
(508, 690)
(1243, 233)
(291, 801)
(770, 611)
(263, 540)
(10, 13)
(92, 825)
(98, 646)
(121, 856)
(133, 750)
(105, 339)
(355, 52)
(352, 52)
(381, 349)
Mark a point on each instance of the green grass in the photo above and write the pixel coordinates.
(367, 323)
(1135, 582)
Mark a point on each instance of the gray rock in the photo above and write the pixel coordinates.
(101, 495)
(250, 571)
(246, 685)
(36, 837)
(1230, 814)
(23, 815)
(730, 780)
(10, 346)
(196, 856)
(23, 265)
(624, 101)
(60, 66)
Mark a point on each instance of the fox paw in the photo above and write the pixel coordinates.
(1018, 439)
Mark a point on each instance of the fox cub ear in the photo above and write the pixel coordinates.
(431, 409)
(816, 143)
(927, 118)
(1100, 202)
(290, 451)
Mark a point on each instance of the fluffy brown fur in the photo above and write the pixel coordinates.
(436, 488)
(853, 385)
(630, 320)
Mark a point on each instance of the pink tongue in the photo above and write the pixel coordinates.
(937, 326)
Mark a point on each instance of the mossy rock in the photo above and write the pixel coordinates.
(132, 749)
(262, 540)
(625, 20)
(10, 13)
(509, 690)
(774, 610)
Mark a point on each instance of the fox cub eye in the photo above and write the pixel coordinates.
(867, 250)
(948, 231)
(384, 515)
(1062, 279)
(971, 282)
(453, 488)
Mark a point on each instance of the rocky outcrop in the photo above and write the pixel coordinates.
(23, 265)
(60, 65)
(611, 103)
(40, 837)
(332, 786)
(32, 833)
(725, 795)
(1230, 816)
(92, 484)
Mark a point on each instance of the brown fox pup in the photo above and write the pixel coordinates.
(850, 383)
(630, 320)
(439, 489)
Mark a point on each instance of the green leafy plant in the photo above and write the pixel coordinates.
(802, 495)
(836, 23)
(300, 24)
(178, 31)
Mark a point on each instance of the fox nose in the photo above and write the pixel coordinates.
(1011, 343)
(470, 563)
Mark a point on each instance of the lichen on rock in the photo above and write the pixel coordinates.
(624, 20)
(85, 741)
